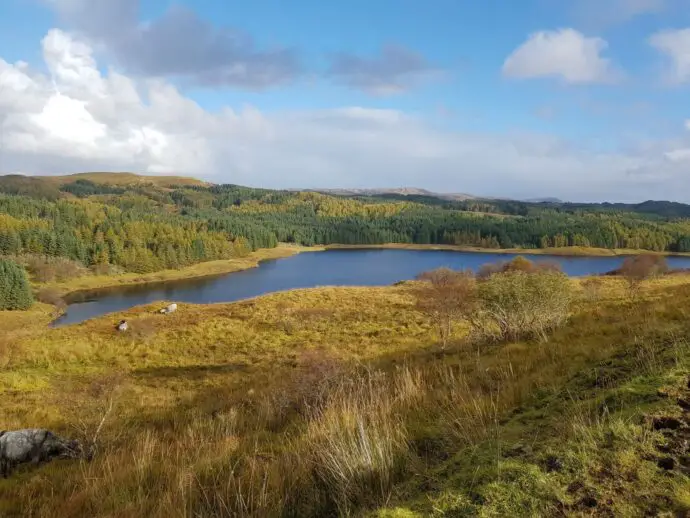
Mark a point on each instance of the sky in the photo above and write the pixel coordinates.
(584, 100)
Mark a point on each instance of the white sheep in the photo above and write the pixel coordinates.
(169, 309)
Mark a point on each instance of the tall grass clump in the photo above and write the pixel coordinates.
(356, 443)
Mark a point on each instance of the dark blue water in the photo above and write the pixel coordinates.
(330, 268)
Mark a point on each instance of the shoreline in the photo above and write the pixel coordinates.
(90, 283)
(567, 251)
(197, 271)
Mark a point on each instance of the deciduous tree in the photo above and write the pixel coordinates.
(447, 296)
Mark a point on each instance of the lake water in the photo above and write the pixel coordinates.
(330, 268)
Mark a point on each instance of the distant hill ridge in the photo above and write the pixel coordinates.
(404, 191)
(49, 187)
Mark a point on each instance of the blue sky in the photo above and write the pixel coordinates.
(603, 89)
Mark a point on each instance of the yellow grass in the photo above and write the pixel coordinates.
(239, 409)
(205, 269)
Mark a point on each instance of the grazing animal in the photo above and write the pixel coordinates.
(122, 326)
(33, 445)
(169, 309)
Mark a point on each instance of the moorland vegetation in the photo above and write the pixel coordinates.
(516, 391)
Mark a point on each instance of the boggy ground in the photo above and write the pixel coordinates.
(338, 401)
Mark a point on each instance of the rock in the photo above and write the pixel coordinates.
(684, 403)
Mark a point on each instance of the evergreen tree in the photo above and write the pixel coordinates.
(15, 290)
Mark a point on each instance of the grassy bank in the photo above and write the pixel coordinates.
(336, 401)
(567, 251)
(205, 269)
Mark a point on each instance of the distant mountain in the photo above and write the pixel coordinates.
(543, 200)
(401, 191)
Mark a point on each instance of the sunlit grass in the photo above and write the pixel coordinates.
(331, 401)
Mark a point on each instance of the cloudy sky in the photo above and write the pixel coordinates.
(579, 99)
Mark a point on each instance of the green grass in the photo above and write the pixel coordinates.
(336, 401)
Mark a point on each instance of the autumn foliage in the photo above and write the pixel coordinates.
(506, 301)
(447, 296)
(637, 269)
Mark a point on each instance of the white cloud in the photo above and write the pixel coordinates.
(565, 53)
(179, 43)
(80, 119)
(675, 45)
(678, 155)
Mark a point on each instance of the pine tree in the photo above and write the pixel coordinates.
(15, 290)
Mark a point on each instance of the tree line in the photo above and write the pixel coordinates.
(144, 228)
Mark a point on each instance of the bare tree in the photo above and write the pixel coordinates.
(517, 264)
(446, 296)
(636, 269)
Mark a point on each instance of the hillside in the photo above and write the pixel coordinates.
(402, 191)
(136, 224)
(337, 401)
(515, 392)
(124, 179)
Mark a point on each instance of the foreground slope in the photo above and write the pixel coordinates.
(337, 401)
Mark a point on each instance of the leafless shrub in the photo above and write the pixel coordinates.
(446, 296)
(53, 269)
(517, 264)
(636, 269)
